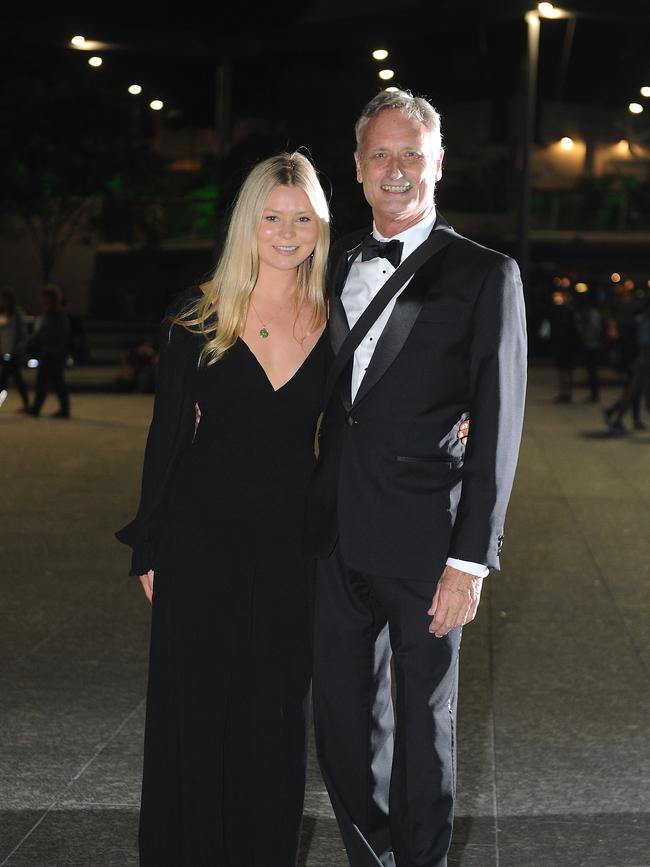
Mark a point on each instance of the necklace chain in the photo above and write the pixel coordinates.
(264, 331)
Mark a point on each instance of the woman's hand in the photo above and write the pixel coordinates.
(147, 584)
(463, 432)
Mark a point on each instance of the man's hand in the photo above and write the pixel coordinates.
(147, 584)
(455, 600)
(463, 432)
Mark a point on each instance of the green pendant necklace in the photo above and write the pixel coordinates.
(264, 331)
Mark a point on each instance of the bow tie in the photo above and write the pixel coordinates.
(371, 248)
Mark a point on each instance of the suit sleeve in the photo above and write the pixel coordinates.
(497, 372)
(170, 431)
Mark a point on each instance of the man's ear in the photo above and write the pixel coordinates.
(439, 161)
(357, 162)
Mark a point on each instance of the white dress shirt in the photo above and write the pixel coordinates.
(364, 280)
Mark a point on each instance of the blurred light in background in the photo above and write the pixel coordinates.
(380, 54)
(645, 91)
(581, 288)
(95, 61)
(615, 277)
(392, 89)
(629, 284)
(566, 143)
(547, 10)
(156, 104)
(32, 363)
(386, 74)
(635, 108)
(135, 88)
(78, 41)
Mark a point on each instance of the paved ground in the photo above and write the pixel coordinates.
(554, 752)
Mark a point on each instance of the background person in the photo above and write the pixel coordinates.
(13, 338)
(50, 343)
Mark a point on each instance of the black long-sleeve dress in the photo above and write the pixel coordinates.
(220, 521)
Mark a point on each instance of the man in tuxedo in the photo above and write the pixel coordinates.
(405, 522)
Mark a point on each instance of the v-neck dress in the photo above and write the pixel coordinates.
(225, 738)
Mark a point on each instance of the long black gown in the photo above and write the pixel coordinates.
(220, 522)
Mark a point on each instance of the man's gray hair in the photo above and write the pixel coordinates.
(412, 107)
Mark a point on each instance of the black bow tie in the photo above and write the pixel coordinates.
(371, 248)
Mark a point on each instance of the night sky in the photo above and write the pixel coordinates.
(300, 73)
(290, 59)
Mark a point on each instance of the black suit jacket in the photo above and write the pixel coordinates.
(393, 483)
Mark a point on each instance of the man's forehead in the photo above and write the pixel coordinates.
(387, 127)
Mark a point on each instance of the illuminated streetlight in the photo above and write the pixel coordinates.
(547, 10)
(95, 61)
(645, 91)
(386, 74)
(635, 108)
(156, 104)
(78, 41)
(567, 143)
(135, 89)
(380, 54)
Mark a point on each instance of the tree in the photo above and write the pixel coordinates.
(63, 141)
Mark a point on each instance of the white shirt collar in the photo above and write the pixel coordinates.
(414, 235)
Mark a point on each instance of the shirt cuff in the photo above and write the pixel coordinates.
(477, 569)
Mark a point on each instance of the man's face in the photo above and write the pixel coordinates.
(398, 166)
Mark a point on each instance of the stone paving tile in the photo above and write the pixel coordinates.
(98, 837)
(601, 840)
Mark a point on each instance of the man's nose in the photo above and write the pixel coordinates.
(394, 169)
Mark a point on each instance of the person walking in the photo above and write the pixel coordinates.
(13, 338)
(50, 344)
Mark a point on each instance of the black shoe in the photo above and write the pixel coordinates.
(60, 414)
(31, 411)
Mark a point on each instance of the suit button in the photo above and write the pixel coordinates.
(351, 420)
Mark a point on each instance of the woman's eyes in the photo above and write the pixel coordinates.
(273, 218)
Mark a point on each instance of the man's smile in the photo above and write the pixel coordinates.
(396, 188)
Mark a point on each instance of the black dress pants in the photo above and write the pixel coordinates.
(389, 768)
(50, 376)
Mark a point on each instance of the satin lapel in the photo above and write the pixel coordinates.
(338, 321)
(406, 310)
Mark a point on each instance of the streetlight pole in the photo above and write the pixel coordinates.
(530, 100)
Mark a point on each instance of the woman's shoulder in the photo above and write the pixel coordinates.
(185, 299)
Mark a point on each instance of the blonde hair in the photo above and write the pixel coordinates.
(220, 315)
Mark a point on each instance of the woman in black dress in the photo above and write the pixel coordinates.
(227, 464)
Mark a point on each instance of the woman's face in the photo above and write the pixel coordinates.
(289, 229)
